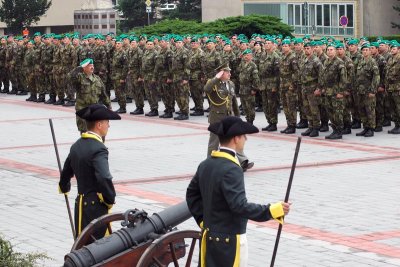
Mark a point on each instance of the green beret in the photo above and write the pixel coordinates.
(339, 45)
(353, 42)
(394, 43)
(31, 42)
(308, 44)
(247, 51)
(227, 42)
(134, 39)
(178, 38)
(286, 42)
(57, 37)
(366, 45)
(244, 41)
(37, 34)
(298, 41)
(317, 43)
(375, 44)
(364, 38)
(86, 62)
(211, 40)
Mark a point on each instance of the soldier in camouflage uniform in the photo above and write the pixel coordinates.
(249, 84)
(10, 63)
(89, 88)
(162, 68)
(100, 60)
(29, 76)
(149, 77)
(289, 70)
(119, 71)
(47, 68)
(257, 54)
(380, 94)
(135, 61)
(58, 74)
(196, 66)
(320, 52)
(311, 68)
(392, 86)
(299, 52)
(269, 77)
(355, 55)
(39, 77)
(3, 70)
(367, 81)
(19, 59)
(348, 63)
(334, 79)
(68, 63)
(384, 50)
(180, 79)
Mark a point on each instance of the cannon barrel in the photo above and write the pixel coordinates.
(127, 238)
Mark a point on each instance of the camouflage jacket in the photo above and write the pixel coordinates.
(381, 62)
(289, 70)
(3, 51)
(163, 64)
(179, 65)
(57, 67)
(29, 60)
(323, 57)
(89, 89)
(196, 64)
(10, 53)
(311, 70)
(69, 59)
(334, 76)
(119, 65)
(100, 59)
(269, 70)
(248, 77)
(367, 76)
(46, 57)
(148, 63)
(392, 82)
(231, 59)
(212, 60)
(135, 60)
(349, 65)
(19, 56)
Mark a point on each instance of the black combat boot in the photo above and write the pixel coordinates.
(386, 122)
(307, 132)
(302, 124)
(356, 124)
(324, 127)
(207, 109)
(395, 130)
(137, 111)
(378, 129)
(152, 113)
(41, 98)
(12, 92)
(314, 132)
(70, 103)
(272, 127)
(362, 133)
(284, 130)
(121, 110)
(166, 115)
(246, 165)
(250, 121)
(59, 102)
(5, 91)
(346, 129)
(51, 100)
(291, 130)
(197, 112)
(22, 92)
(193, 109)
(337, 134)
(115, 100)
(32, 98)
(182, 117)
(369, 132)
(128, 100)
(259, 109)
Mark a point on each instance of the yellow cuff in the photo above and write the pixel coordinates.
(202, 225)
(277, 212)
(100, 195)
(61, 192)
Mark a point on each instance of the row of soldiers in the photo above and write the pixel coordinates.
(323, 81)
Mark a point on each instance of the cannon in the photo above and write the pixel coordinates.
(142, 241)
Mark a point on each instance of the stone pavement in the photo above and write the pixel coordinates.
(345, 193)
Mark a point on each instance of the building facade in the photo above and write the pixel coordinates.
(318, 17)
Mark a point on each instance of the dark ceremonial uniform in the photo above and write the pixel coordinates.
(88, 161)
(216, 198)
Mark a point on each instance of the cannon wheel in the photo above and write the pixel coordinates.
(86, 236)
(167, 244)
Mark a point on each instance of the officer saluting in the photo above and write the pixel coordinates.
(216, 197)
(88, 161)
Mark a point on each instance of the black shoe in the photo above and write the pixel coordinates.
(69, 104)
(242, 113)
(324, 127)
(290, 130)
(378, 129)
(193, 108)
(386, 123)
(395, 130)
(284, 130)
(51, 100)
(178, 112)
(152, 113)
(31, 98)
(121, 110)
(307, 132)
(302, 124)
(369, 132)
(114, 100)
(128, 100)
(356, 124)
(166, 115)
(137, 111)
(335, 135)
(314, 132)
(272, 127)
(246, 165)
(59, 102)
(259, 109)
(207, 109)
(347, 130)
(4, 91)
(182, 117)
(362, 133)
(22, 93)
(249, 121)
(12, 92)
(197, 113)
(41, 98)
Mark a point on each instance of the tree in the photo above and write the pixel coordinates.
(397, 8)
(186, 10)
(22, 13)
(133, 13)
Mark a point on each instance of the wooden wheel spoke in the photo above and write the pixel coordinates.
(191, 251)
(172, 249)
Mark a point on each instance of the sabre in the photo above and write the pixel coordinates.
(59, 168)
(278, 235)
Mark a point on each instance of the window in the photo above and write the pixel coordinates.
(319, 15)
(112, 26)
(350, 15)
(96, 16)
(104, 26)
(112, 16)
(96, 27)
(104, 16)
(262, 9)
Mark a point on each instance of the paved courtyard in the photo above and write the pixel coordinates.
(345, 193)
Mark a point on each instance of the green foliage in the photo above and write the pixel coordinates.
(186, 10)
(397, 8)
(133, 12)
(228, 26)
(10, 258)
(20, 13)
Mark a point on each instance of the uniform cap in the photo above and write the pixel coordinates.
(375, 44)
(86, 62)
(366, 45)
(232, 126)
(97, 112)
(286, 42)
(37, 34)
(353, 42)
(224, 67)
(247, 51)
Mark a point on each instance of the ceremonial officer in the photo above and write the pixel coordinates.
(216, 198)
(89, 88)
(88, 161)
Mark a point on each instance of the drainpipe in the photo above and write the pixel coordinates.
(361, 18)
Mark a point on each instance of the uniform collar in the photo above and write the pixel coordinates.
(92, 135)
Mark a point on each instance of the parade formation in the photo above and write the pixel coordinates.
(350, 84)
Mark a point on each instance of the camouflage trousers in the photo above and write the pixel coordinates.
(387, 108)
(40, 81)
(248, 102)
(300, 103)
(151, 91)
(355, 107)
(120, 94)
(335, 106)
(347, 111)
(12, 76)
(4, 78)
(270, 103)
(20, 78)
(196, 91)
(167, 95)
(137, 90)
(182, 92)
(380, 108)
(30, 82)
(69, 90)
(311, 104)
(394, 101)
(59, 81)
(48, 83)
(323, 110)
(289, 103)
(367, 110)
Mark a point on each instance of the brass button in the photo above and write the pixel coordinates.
(227, 240)
(217, 239)
(84, 203)
(210, 238)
